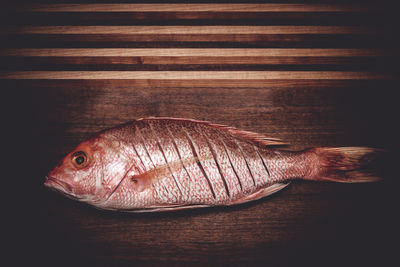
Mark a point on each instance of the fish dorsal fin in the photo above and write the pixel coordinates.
(257, 138)
(253, 137)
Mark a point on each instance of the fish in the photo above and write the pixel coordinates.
(163, 164)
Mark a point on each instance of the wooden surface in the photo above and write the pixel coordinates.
(310, 74)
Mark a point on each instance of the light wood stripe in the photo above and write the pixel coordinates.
(196, 75)
(185, 52)
(193, 8)
(210, 84)
(187, 30)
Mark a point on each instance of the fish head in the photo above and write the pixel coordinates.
(92, 171)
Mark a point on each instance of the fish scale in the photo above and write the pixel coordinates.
(157, 164)
(221, 158)
(201, 140)
(240, 165)
(179, 175)
(198, 184)
(206, 164)
(167, 185)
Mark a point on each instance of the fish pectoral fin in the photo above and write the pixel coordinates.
(141, 182)
(263, 192)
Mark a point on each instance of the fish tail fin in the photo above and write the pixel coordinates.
(343, 164)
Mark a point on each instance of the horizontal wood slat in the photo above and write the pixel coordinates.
(194, 41)
(200, 59)
(189, 30)
(185, 52)
(193, 7)
(193, 18)
(340, 49)
(188, 75)
(280, 51)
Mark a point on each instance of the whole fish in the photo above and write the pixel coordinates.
(157, 164)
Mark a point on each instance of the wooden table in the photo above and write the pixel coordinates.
(310, 74)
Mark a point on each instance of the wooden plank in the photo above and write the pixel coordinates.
(192, 52)
(193, 18)
(99, 63)
(189, 75)
(13, 40)
(193, 7)
(154, 30)
(79, 84)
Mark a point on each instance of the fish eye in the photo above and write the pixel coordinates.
(79, 159)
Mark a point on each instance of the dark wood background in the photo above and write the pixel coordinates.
(310, 74)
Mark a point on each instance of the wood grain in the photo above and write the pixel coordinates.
(198, 75)
(189, 59)
(154, 30)
(195, 18)
(195, 41)
(312, 74)
(192, 7)
(186, 52)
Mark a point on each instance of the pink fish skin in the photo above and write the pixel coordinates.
(158, 164)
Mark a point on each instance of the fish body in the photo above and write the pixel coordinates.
(157, 164)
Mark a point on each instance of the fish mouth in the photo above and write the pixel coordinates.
(60, 186)
(53, 182)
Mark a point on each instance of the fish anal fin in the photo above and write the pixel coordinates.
(165, 208)
(256, 138)
(263, 192)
